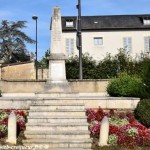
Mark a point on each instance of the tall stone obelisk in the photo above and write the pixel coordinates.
(57, 71)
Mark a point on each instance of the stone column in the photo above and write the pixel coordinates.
(12, 128)
(104, 132)
(57, 72)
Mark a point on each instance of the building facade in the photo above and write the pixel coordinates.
(107, 34)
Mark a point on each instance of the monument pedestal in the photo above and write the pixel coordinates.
(57, 82)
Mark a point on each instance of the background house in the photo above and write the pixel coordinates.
(106, 34)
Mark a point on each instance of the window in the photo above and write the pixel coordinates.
(69, 23)
(69, 46)
(98, 41)
(146, 21)
(147, 44)
(127, 44)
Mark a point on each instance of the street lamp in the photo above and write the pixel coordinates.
(79, 40)
(36, 65)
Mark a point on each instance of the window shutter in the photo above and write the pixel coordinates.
(67, 46)
(71, 46)
(129, 44)
(125, 43)
(147, 44)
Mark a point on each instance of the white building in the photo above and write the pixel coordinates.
(107, 34)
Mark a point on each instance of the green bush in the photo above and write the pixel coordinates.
(89, 67)
(126, 85)
(146, 77)
(142, 112)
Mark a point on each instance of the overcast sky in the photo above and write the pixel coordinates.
(16, 10)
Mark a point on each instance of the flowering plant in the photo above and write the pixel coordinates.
(21, 120)
(124, 129)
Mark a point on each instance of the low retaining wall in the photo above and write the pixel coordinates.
(90, 102)
(32, 86)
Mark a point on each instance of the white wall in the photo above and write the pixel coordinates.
(112, 41)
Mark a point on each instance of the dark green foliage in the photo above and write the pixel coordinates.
(43, 63)
(142, 112)
(107, 68)
(103, 68)
(146, 76)
(126, 85)
(12, 41)
(89, 67)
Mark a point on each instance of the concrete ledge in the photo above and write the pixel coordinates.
(24, 102)
(32, 86)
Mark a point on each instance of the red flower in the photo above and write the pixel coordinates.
(113, 130)
(21, 123)
(90, 115)
(95, 130)
(5, 121)
(112, 112)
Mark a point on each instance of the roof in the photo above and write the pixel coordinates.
(113, 22)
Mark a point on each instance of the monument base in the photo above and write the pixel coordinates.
(57, 87)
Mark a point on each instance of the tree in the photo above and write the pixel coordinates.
(12, 41)
(44, 62)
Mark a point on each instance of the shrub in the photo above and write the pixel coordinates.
(142, 112)
(146, 77)
(89, 67)
(126, 85)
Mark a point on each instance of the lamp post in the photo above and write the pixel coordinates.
(36, 65)
(79, 40)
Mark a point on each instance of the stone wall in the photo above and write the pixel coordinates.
(22, 71)
(42, 74)
(32, 86)
(18, 71)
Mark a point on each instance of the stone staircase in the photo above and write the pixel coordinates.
(57, 125)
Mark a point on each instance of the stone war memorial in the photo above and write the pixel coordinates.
(57, 113)
(57, 72)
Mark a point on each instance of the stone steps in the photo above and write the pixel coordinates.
(58, 125)
(58, 135)
(68, 119)
(57, 107)
(57, 113)
(60, 143)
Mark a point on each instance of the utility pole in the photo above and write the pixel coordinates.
(79, 40)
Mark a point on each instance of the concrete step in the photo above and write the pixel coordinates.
(58, 135)
(58, 101)
(57, 107)
(46, 147)
(56, 127)
(61, 143)
(40, 119)
(56, 113)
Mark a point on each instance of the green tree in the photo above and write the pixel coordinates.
(12, 40)
(44, 62)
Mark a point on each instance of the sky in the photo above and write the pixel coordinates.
(23, 10)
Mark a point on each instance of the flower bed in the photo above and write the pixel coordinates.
(124, 129)
(21, 120)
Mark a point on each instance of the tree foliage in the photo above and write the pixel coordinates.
(89, 67)
(107, 68)
(44, 62)
(127, 86)
(12, 40)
